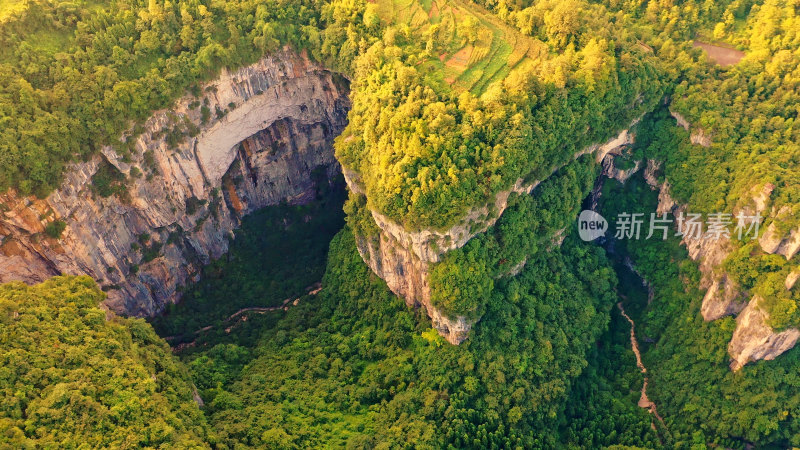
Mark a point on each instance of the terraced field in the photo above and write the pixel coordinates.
(474, 49)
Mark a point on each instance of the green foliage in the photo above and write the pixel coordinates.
(108, 181)
(55, 228)
(782, 305)
(355, 367)
(71, 377)
(358, 216)
(427, 152)
(747, 269)
(602, 409)
(460, 283)
(430, 140)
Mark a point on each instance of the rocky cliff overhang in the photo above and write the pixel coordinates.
(403, 258)
(188, 182)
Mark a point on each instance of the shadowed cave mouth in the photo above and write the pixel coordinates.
(279, 252)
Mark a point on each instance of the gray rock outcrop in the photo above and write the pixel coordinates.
(252, 138)
(755, 340)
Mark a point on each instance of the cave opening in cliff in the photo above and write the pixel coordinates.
(276, 260)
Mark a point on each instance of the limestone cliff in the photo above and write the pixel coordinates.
(253, 137)
(403, 258)
(611, 169)
(753, 338)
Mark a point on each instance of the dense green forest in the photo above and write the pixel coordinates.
(429, 145)
(452, 102)
(74, 375)
(356, 367)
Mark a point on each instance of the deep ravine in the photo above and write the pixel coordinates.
(236, 317)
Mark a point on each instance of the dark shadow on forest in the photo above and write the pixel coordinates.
(277, 254)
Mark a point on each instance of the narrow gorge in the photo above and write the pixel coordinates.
(754, 338)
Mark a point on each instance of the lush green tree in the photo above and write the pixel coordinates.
(75, 375)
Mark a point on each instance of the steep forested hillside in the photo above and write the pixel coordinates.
(76, 76)
(700, 398)
(73, 375)
(745, 117)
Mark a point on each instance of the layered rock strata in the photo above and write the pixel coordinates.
(256, 136)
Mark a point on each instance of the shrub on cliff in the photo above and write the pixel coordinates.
(461, 283)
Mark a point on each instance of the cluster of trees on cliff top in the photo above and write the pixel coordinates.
(436, 128)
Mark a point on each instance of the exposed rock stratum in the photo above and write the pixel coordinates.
(268, 139)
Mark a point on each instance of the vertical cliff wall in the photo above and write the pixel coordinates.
(753, 338)
(254, 137)
(404, 258)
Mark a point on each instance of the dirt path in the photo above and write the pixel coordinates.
(644, 402)
(724, 56)
(285, 305)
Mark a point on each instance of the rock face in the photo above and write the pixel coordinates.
(791, 279)
(403, 258)
(266, 138)
(723, 298)
(776, 243)
(407, 276)
(754, 339)
(610, 169)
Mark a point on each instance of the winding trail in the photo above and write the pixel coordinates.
(311, 290)
(644, 401)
